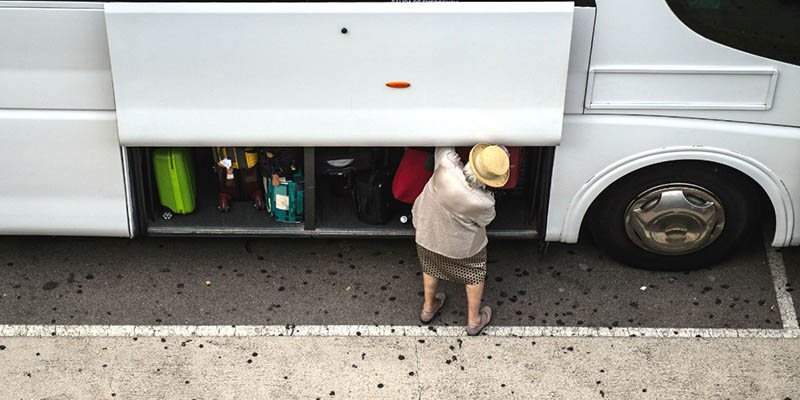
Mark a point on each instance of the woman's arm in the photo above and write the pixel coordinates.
(442, 153)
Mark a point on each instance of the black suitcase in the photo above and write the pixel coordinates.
(372, 196)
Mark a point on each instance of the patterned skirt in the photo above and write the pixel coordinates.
(469, 271)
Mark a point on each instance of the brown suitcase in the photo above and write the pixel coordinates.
(239, 184)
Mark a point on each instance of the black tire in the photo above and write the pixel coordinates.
(735, 192)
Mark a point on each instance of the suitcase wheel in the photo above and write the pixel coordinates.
(224, 205)
(224, 202)
(258, 201)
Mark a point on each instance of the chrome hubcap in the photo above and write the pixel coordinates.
(674, 219)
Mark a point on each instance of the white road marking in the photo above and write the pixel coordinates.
(379, 331)
(785, 303)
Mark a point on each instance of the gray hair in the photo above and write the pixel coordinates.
(472, 180)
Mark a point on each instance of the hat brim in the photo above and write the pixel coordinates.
(496, 182)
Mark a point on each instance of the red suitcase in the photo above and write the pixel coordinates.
(243, 184)
(411, 175)
(516, 158)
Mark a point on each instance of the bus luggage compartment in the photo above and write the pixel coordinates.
(328, 205)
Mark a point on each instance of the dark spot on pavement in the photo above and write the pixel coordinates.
(50, 285)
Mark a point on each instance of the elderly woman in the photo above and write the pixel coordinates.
(450, 218)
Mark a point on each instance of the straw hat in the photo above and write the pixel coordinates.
(490, 164)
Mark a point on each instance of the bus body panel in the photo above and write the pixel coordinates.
(646, 61)
(597, 150)
(54, 59)
(63, 168)
(316, 74)
(579, 52)
(63, 174)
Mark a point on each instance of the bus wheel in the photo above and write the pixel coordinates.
(675, 216)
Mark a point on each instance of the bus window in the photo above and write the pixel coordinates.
(768, 28)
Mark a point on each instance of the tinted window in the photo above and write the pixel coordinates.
(768, 28)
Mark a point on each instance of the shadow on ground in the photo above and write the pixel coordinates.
(322, 281)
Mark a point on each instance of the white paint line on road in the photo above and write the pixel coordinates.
(379, 331)
(785, 303)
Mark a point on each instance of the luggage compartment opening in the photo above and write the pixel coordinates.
(241, 214)
(329, 205)
(336, 212)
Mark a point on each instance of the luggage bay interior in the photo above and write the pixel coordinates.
(328, 203)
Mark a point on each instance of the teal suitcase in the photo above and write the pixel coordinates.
(285, 201)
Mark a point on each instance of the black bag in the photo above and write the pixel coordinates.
(284, 162)
(372, 196)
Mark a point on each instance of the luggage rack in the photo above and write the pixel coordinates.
(325, 215)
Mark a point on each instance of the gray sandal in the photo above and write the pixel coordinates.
(427, 316)
(486, 317)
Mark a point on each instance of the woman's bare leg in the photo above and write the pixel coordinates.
(430, 283)
(474, 294)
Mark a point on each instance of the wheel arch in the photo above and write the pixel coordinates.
(764, 178)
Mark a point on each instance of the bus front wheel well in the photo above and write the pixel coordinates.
(676, 215)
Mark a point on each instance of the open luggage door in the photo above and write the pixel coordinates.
(317, 74)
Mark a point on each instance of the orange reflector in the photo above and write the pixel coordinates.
(398, 85)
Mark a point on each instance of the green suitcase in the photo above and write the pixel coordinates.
(175, 178)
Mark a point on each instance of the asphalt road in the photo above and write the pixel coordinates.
(218, 281)
(276, 282)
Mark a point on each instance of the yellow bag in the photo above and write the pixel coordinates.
(240, 158)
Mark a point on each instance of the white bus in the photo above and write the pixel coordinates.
(661, 127)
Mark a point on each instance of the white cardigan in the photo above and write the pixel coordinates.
(450, 216)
